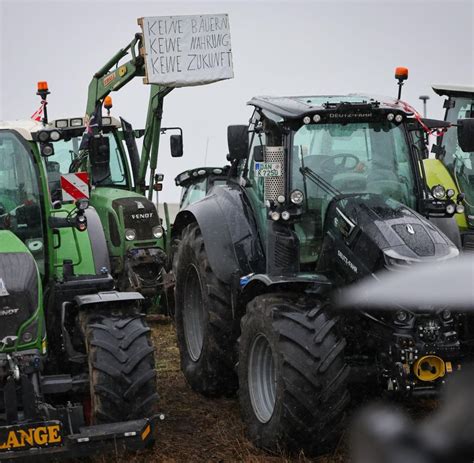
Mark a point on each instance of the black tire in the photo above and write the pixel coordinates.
(205, 326)
(121, 367)
(292, 339)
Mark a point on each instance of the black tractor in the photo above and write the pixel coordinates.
(321, 192)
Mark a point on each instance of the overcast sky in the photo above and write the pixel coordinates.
(309, 47)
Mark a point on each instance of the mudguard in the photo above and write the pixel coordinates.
(229, 231)
(253, 285)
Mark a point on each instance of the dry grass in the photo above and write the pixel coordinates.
(197, 429)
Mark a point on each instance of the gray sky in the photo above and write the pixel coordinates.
(310, 47)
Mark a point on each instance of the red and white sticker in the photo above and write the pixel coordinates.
(75, 186)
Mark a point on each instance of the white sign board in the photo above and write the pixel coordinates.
(182, 51)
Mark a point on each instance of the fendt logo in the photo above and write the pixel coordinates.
(8, 311)
(145, 215)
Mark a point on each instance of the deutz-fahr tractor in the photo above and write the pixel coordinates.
(322, 191)
(76, 359)
(453, 165)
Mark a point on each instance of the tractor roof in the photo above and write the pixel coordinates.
(290, 107)
(466, 91)
(26, 127)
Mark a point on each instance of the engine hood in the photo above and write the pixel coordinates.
(395, 229)
(19, 284)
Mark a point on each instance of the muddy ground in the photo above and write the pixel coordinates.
(197, 429)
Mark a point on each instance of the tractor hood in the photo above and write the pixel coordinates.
(371, 222)
(19, 284)
(132, 211)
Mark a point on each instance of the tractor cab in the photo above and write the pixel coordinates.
(308, 152)
(20, 195)
(459, 105)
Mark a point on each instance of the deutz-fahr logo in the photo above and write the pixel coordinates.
(19, 438)
(350, 115)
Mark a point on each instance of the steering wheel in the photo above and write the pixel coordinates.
(329, 166)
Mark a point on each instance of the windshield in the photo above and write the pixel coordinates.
(461, 163)
(20, 200)
(354, 158)
(66, 150)
(351, 158)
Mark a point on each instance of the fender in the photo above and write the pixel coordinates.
(230, 235)
(301, 282)
(449, 226)
(99, 248)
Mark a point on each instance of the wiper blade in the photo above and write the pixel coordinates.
(319, 181)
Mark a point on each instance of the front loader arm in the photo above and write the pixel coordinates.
(111, 78)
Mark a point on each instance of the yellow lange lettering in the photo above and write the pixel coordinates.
(26, 436)
(54, 436)
(41, 435)
(12, 440)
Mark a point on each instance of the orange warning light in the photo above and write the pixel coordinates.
(401, 73)
(42, 86)
(108, 102)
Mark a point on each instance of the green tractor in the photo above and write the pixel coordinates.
(122, 181)
(76, 360)
(322, 191)
(452, 165)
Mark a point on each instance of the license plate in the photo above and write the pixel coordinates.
(268, 169)
(31, 435)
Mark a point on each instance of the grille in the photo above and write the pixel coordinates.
(138, 214)
(275, 186)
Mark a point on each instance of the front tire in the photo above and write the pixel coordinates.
(292, 374)
(122, 372)
(204, 322)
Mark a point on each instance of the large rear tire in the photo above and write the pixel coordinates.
(121, 367)
(292, 374)
(205, 326)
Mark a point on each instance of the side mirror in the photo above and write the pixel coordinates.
(176, 146)
(258, 153)
(238, 141)
(466, 134)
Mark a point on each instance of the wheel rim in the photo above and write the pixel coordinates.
(193, 314)
(262, 378)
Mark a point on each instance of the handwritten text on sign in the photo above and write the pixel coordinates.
(187, 50)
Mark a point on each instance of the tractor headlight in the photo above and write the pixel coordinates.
(401, 316)
(450, 193)
(47, 149)
(450, 208)
(158, 232)
(460, 209)
(390, 117)
(130, 234)
(43, 136)
(296, 197)
(438, 191)
(55, 135)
